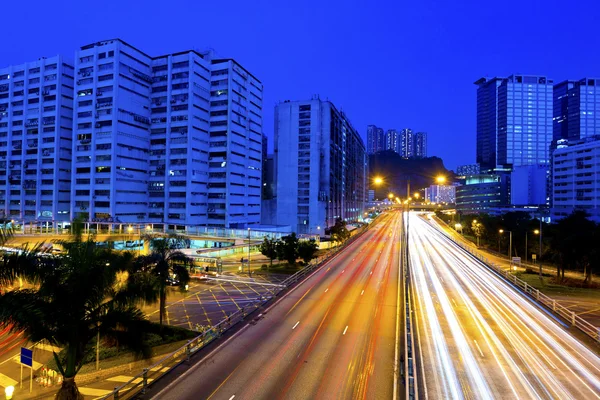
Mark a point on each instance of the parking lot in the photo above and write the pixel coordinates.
(209, 301)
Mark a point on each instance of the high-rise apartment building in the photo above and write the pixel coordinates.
(407, 143)
(174, 139)
(375, 139)
(420, 145)
(392, 140)
(514, 121)
(576, 109)
(36, 132)
(468, 169)
(321, 166)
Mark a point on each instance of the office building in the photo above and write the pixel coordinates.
(576, 109)
(529, 185)
(406, 143)
(514, 121)
(576, 178)
(321, 166)
(441, 194)
(392, 140)
(420, 145)
(482, 192)
(173, 139)
(375, 139)
(468, 169)
(36, 133)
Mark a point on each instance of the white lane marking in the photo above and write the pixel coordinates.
(454, 302)
(294, 327)
(345, 330)
(326, 290)
(343, 271)
(361, 293)
(478, 348)
(231, 398)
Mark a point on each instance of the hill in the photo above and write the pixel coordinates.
(397, 172)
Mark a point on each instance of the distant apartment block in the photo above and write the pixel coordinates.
(420, 145)
(172, 139)
(406, 143)
(576, 178)
(375, 139)
(36, 135)
(321, 166)
(392, 140)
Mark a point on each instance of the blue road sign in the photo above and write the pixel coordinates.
(26, 356)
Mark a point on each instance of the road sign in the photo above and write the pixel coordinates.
(26, 356)
(534, 257)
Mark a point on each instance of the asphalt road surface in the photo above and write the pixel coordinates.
(333, 337)
(479, 338)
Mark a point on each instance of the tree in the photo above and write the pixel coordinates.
(268, 248)
(287, 248)
(478, 228)
(339, 232)
(165, 262)
(75, 297)
(307, 250)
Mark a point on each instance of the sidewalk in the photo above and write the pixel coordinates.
(585, 302)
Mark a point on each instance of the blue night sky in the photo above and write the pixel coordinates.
(395, 64)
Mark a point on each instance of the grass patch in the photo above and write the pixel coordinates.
(161, 340)
(548, 286)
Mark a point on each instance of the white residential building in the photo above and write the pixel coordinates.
(174, 139)
(576, 178)
(321, 166)
(36, 117)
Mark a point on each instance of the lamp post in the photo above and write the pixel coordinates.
(501, 231)
(539, 232)
(249, 270)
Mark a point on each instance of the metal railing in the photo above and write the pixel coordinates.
(570, 316)
(138, 384)
(410, 367)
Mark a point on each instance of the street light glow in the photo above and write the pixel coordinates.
(391, 195)
(537, 231)
(501, 231)
(417, 195)
(130, 228)
(378, 180)
(440, 179)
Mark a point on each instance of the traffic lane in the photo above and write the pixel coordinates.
(367, 342)
(259, 343)
(523, 340)
(312, 317)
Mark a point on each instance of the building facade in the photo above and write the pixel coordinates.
(441, 194)
(514, 121)
(321, 166)
(420, 145)
(468, 169)
(392, 140)
(36, 135)
(576, 109)
(375, 139)
(576, 178)
(482, 192)
(174, 139)
(529, 185)
(406, 143)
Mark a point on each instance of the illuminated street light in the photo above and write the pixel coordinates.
(378, 180)
(537, 231)
(417, 195)
(130, 229)
(440, 179)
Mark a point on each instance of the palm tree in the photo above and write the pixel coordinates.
(74, 298)
(152, 273)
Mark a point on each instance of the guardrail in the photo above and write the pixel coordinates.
(410, 370)
(568, 315)
(139, 383)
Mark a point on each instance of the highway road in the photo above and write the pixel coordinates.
(479, 338)
(333, 337)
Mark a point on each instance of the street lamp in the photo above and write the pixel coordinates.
(391, 196)
(501, 231)
(458, 226)
(378, 180)
(440, 179)
(417, 195)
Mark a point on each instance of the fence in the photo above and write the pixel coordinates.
(139, 383)
(568, 315)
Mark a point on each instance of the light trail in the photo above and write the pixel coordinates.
(480, 338)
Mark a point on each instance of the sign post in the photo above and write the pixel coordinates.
(27, 360)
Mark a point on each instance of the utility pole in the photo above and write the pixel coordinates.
(249, 270)
(510, 245)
